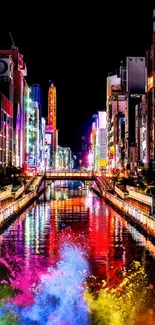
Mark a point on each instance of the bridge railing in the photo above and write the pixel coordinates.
(69, 174)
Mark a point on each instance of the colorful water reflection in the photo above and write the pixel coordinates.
(67, 261)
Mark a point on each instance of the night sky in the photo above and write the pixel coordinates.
(77, 53)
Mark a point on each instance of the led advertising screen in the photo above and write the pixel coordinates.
(52, 106)
(49, 128)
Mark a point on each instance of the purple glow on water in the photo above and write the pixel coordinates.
(27, 279)
(58, 298)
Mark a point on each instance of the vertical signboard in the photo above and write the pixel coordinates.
(52, 106)
(102, 139)
(52, 115)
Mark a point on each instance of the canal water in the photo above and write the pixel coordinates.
(71, 259)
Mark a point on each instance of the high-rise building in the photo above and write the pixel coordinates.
(141, 134)
(31, 131)
(124, 100)
(120, 138)
(42, 145)
(116, 104)
(36, 96)
(84, 143)
(12, 80)
(95, 142)
(150, 60)
(27, 134)
(144, 133)
(85, 149)
(48, 146)
(64, 158)
(97, 157)
(34, 134)
(6, 131)
(135, 87)
(138, 128)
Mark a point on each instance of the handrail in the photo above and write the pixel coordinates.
(145, 220)
(69, 174)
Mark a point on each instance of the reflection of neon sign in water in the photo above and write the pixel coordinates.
(89, 198)
(48, 194)
(27, 235)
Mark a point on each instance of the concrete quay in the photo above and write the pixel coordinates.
(137, 217)
(10, 212)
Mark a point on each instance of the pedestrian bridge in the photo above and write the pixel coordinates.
(101, 180)
(83, 176)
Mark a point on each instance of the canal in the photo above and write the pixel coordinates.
(71, 259)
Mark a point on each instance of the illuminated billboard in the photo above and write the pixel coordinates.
(113, 84)
(102, 139)
(150, 82)
(49, 128)
(103, 148)
(52, 106)
(102, 119)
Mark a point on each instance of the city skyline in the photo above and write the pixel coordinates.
(79, 65)
(77, 169)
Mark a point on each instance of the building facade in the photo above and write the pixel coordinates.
(42, 144)
(27, 134)
(126, 115)
(150, 59)
(31, 131)
(6, 132)
(36, 96)
(64, 158)
(85, 147)
(116, 104)
(97, 156)
(34, 134)
(48, 146)
(12, 79)
(102, 140)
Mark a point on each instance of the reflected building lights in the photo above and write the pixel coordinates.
(41, 222)
(106, 235)
(48, 194)
(27, 237)
(47, 212)
(37, 233)
(141, 239)
(32, 229)
(118, 230)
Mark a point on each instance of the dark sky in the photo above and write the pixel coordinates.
(77, 52)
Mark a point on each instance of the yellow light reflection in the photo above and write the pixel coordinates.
(122, 305)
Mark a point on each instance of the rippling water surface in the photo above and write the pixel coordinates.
(71, 259)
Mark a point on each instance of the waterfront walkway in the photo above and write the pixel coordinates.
(137, 215)
(17, 206)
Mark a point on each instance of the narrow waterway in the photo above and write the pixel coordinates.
(71, 259)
